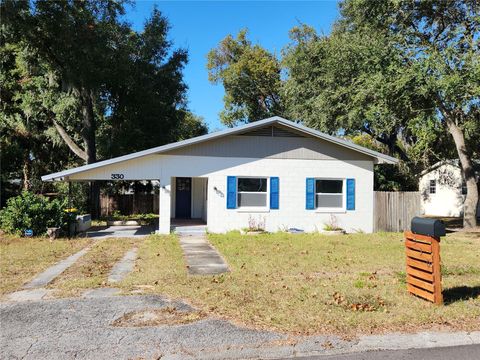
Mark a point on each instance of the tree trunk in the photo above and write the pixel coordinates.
(88, 137)
(26, 172)
(69, 141)
(471, 200)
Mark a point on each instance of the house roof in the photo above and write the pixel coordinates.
(378, 157)
(452, 162)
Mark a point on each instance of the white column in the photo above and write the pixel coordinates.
(164, 207)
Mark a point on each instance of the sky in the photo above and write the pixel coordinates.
(199, 26)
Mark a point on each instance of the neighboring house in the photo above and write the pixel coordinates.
(443, 189)
(272, 171)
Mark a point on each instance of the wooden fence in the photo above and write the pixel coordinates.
(129, 204)
(393, 211)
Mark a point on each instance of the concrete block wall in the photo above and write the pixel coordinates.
(292, 176)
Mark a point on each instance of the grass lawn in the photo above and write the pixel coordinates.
(309, 283)
(92, 270)
(22, 258)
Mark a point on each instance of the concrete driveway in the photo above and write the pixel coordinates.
(102, 232)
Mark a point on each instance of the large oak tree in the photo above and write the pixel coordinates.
(406, 72)
(117, 90)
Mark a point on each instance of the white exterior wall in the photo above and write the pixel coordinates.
(292, 175)
(448, 199)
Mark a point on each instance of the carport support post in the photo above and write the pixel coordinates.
(69, 209)
(164, 207)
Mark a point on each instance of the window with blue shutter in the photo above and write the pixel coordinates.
(274, 191)
(310, 194)
(350, 194)
(231, 192)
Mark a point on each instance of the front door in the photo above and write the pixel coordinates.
(183, 198)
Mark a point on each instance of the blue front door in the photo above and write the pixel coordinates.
(183, 198)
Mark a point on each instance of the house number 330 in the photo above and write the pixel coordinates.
(117, 176)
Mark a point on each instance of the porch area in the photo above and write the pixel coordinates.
(183, 205)
(188, 226)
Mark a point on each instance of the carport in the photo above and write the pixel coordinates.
(182, 199)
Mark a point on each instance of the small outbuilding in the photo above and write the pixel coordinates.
(274, 172)
(443, 189)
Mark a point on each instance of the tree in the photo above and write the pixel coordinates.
(406, 72)
(440, 44)
(78, 41)
(25, 138)
(106, 82)
(251, 77)
(355, 84)
(147, 97)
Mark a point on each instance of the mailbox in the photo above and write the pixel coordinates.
(429, 227)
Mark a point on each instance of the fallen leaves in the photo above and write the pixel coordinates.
(373, 304)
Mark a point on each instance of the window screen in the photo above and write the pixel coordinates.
(329, 193)
(252, 192)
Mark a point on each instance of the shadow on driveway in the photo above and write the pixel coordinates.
(122, 231)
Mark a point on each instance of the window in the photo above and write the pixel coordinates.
(252, 192)
(329, 193)
(433, 187)
(464, 188)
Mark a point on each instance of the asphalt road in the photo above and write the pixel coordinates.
(86, 328)
(466, 352)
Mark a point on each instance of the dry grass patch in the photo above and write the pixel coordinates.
(155, 317)
(92, 270)
(309, 283)
(22, 258)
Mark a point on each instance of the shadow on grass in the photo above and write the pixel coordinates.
(460, 293)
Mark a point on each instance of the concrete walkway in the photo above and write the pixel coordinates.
(124, 267)
(202, 258)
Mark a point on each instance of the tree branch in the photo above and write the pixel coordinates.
(69, 141)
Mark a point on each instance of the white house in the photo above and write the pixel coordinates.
(273, 171)
(443, 189)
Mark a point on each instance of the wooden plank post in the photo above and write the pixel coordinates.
(424, 277)
(437, 271)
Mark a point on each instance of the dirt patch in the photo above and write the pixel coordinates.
(156, 317)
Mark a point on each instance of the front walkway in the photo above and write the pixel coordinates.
(201, 257)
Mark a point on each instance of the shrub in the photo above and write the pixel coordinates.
(147, 219)
(30, 211)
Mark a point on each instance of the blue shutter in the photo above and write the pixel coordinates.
(310, 193)
(350, 194)
(231, 192)
(274, 190)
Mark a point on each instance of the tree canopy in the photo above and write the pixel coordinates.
(405, 73)
(429, 72)
(250, 76)
(98, 87)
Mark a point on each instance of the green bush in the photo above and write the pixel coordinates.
(30, 211)
(147, 219)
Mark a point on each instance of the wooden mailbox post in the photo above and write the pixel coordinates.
(424, 276)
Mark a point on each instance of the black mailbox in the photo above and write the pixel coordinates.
(429, 227)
